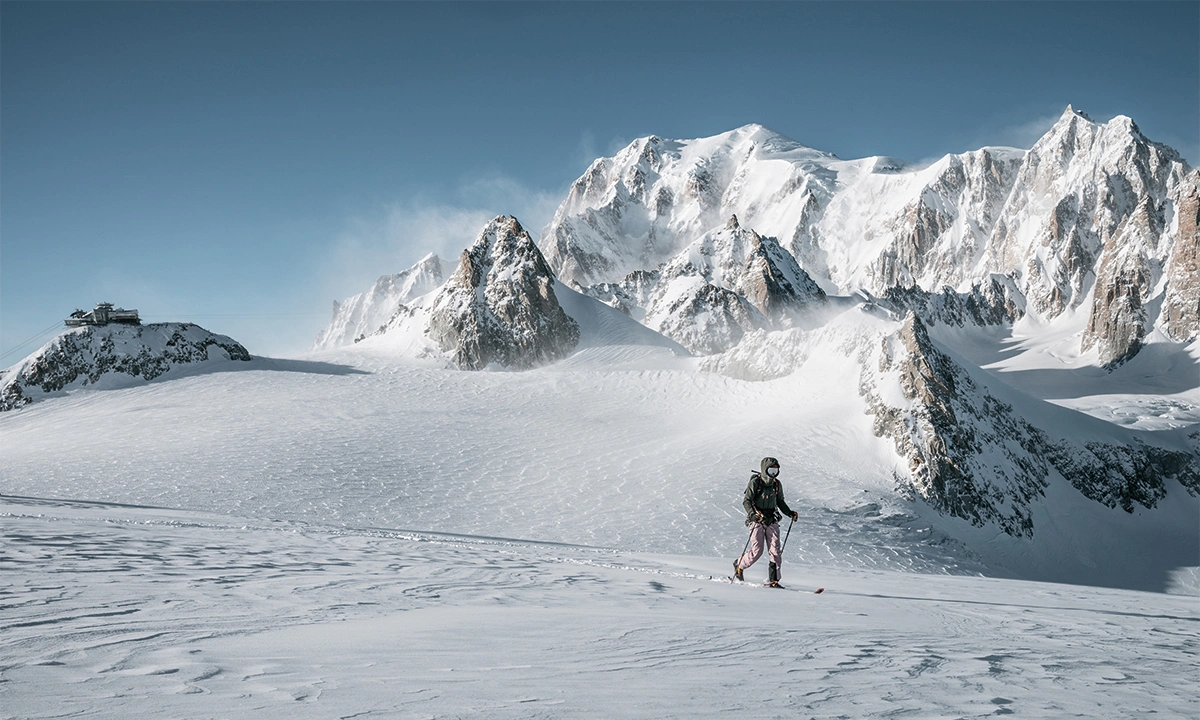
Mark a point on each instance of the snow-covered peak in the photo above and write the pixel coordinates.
(728, 282)
(501, 249)
(639, 208)
(500, 306)
(1087, 227)
(359, 316)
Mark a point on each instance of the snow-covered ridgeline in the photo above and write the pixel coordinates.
(1089, 212)
(359, 316)
(112, 355)
(725, 284)
(1095, 220)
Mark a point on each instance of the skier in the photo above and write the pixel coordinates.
(763, 500)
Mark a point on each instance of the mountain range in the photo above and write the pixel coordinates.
(753, 252)
(1017, 329)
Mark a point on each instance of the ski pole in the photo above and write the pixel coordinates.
(747, 545)
(785, 537)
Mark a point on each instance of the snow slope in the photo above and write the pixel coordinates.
(118, 611)
(619, 446)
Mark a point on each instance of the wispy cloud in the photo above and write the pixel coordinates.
(396, 235)
(1023, 134)
(588, 149)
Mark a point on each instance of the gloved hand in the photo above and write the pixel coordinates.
(795, 516)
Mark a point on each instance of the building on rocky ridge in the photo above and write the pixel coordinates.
(103, 314)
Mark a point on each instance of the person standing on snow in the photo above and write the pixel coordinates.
(763, 501)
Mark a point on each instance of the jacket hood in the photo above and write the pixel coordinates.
(766, 463)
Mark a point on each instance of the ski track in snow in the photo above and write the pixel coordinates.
(118, 611)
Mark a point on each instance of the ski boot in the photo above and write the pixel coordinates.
(737, 572)
(773, 576)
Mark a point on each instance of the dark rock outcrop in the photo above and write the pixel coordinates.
(971, 456)
(996, 301)
(499, 306)
(84, 356)
(1181, 307)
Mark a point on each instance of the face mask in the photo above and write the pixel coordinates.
(773, 471)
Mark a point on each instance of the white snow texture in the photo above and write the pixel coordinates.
(987, 420)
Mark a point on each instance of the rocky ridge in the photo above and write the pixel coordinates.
(1088, 221)
(362, 315)
(725, 284)
(1181, 304)
(996, 301)
(953, 429)
(499, 306)
(967, 452)
(89, 355)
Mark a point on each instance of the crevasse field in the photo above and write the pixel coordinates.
(351, 535)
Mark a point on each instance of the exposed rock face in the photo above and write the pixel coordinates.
(1086, 220)
(996, 301)
(499, 306)
(1117, 322)
(87, 355)
(952, 431)
(364, 314)
(727, 283)
(940, 233)
(1181, 306)
(771, 279)
(1085, 193)
(640, 208)
(946, 431)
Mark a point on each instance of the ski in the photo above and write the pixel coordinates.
(735, 581)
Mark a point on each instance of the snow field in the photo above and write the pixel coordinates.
(114, 611)
(632, 459)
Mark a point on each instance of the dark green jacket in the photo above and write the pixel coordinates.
(764, 495)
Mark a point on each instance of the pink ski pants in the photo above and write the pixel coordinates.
(758, 534)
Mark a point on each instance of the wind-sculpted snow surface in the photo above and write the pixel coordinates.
(500, 306)
(135, 612)
(112, 354)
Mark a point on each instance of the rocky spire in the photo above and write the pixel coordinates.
(499, 306)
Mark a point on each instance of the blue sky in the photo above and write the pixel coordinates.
(240, 165)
